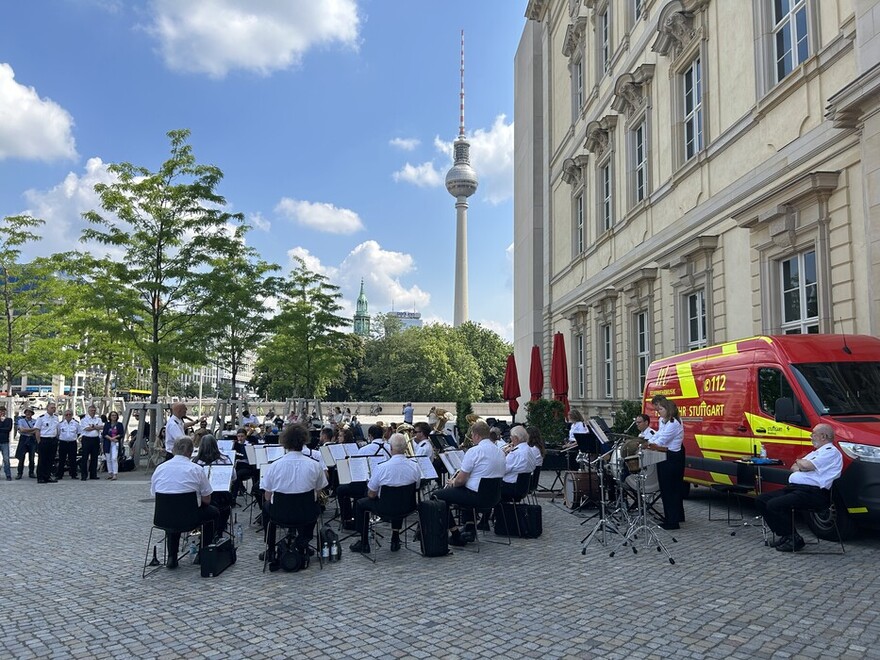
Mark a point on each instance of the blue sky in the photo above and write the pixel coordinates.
(332, 121)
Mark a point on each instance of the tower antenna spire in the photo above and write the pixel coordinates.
(461, 93)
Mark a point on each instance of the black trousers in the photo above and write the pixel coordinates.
(47, 449)
(66, 458)
(304, 533)
(670, 475)
(362, 510)
(26, 449)
(345, 493)
(91, 447)
(776, 505)
(208, 516)
(462, 496)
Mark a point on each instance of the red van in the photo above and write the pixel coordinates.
(738, 397)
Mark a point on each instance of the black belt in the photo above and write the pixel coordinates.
(807, 486)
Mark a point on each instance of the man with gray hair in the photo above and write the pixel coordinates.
(181, 475)
(396, 471)
(517, 459)
(809, 487)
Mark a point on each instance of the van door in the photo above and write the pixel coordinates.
(784, 441)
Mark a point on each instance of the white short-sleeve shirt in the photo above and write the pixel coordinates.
(396, 471)
(173, 430)
(484, 460)
(180, 475)
(517, 461)
(293, 473)
(828, 462)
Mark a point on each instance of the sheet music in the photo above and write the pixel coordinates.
(337, 451)
(351, 448)
(327, 455)
(260, 454)
(597, 430)
(426, 467)
(219, 476)
(230, 454)
(274, 452)
(250, 453)
(224, 445)
(452, 460)
(359, 468)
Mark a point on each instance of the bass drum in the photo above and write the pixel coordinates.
(579, 486)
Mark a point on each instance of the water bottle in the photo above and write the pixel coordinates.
(193, 549)
(337, 555)
(239, 533)
(763, 451)
(325, 552)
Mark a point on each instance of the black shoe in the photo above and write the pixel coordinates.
(96, 477)
(360, 546)
(274, 566)
(779, 541)
(483, 526)
(50, 480)
(263, 556)
(670, 526)
(42, 481)
(172, 562)
(793, 544)
(8, 478)
(83, 478)
(457, 540)
(17, 477)
(32, 476)
(469, 535)
(395, 543)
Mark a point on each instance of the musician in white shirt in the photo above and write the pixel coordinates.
(482, 461)
(181, 475)
(176, 427)
(670, 473)
(421, 441)
(68, 434)
(518, 459)
(47, 444)
(346, 493)
(90, 426)
(643, 424)
(396, 471)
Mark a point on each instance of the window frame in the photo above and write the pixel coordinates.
(693, 344)
(766, 78)
(578, 86)
(579, 212)
(790, 20)
(696, 115)
(803, 324)
(605, 194)
(580, 366)
(642, 345)
(640, 166)
(606, 336)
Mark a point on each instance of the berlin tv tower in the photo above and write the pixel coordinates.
(461, 182)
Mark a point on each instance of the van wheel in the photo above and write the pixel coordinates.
(821, 523)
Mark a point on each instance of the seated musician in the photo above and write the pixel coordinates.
(210, 454)
(345, 493)
(421, 442)
(809, 486)
(180, 475)
(518, 459)
(536, 445)
(326, 436)
(577, 426)
(396, 471)
(243, 469)
(495, 436)
(482, 460)
(292, 473)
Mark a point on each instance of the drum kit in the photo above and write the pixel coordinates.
(622, 505)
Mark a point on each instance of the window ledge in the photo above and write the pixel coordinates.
(689, 166)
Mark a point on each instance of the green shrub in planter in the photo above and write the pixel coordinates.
(624, 417)
(548, 415)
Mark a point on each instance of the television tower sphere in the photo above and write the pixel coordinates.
(461, 179)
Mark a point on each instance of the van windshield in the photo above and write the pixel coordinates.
(841, 388)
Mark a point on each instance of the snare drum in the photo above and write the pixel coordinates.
(615, 464)
(578, 486)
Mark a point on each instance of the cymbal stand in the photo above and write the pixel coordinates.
(641, 525)
(604, 523)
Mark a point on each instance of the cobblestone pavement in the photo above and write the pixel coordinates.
(72, 555)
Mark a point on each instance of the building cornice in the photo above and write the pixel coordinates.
(536, 10)
(599, 134)
(777, 201)
(849, 107)
(629, 92)
(676, 27)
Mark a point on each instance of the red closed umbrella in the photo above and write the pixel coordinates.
(536, 374)
(559, 371)
(511, 385)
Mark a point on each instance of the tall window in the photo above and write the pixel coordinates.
(696, 311)
(606, 211)
(640, 162)
(579, 222)
(607, 362)
(790, 43)
(800, 294)
(577, 81)
(643, 352)
(605, 40)
(637, 9)
(579, 354)
(693, 109)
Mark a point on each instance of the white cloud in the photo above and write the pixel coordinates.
(424, 175)
(31, 127)
(406, 144)
(505, 330)
(383, 272)
(320, 216)
(218, 36)
(257, 221)
(62, 207)
(491, 157)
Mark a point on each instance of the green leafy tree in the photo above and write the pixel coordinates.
(33, 333)
(490, 352)
(240, 320)
(348, 385)
(304, 355)
(548, 415)
(162, 229)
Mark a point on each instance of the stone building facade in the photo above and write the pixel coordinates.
(689, 172)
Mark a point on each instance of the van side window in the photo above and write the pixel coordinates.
(772, 385)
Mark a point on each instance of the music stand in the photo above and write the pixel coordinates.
(438, 441)
(588, 443)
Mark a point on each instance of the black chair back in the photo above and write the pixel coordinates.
(397, 501)
(536, 478)
(177, 512)
(289, 509)
(746, 475)
(523, 482)
(489, 492)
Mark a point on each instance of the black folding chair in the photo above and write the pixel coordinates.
(827, 511)
(289, 510)
(176, 513)
(489, 495)
(395, 502)
(745, 483)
